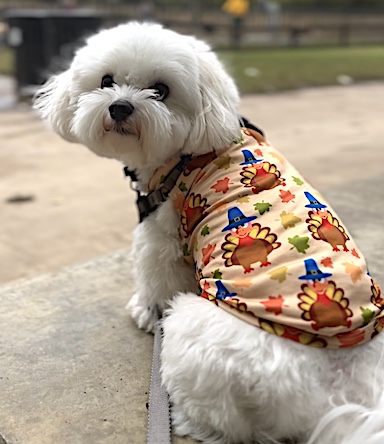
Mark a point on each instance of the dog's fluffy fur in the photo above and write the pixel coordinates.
(228, 381)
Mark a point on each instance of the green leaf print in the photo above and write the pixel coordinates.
(223, 162)
(183, 187)
(262, 207)
(300, 243)
(205, 230)
(367, 314)
(217, 274)
(297, 180)
(186, 251)
(239, 140)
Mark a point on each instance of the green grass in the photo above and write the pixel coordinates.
(6, 61)
(289, 68)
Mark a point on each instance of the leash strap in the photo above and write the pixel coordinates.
(159, 409)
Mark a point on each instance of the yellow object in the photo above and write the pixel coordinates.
(237, 8)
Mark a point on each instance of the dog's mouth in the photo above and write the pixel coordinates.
(125, 128)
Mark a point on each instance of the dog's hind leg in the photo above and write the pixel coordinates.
(357, 415)
(231, 382)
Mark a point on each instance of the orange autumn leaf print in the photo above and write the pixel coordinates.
(221, 186)
(286, 196)
(277, 156)
(327, 262)
(205, 293)
(178, 200)
(207, 253)
(244, 283)
(354, 271)
(274, 304)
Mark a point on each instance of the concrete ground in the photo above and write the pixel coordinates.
(73, 367)
(61, 204)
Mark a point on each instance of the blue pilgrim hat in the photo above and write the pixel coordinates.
(249, 158)
(313, 202)
(313, 271)
(236, 218)
(222, 291)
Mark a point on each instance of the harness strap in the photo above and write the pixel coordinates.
(148, 203)
(159, 409)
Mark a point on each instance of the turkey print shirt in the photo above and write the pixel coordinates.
(267, 248)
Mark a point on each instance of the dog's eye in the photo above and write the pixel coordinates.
(161, 91)
(107, 81)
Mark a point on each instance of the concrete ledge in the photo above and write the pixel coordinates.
(73, 367)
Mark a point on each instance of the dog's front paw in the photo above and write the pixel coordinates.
(144, 316)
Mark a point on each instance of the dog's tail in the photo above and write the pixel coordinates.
(351, 424)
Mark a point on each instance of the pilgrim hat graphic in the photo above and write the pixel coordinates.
(313, 202)
(222, 291)
(249, 158)
(236, 218)
(313, 272)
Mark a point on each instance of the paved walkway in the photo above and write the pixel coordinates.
(77, 206)
(73, 367)
(7, 92)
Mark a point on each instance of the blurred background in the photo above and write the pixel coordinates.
(331, 40)
(59, 203)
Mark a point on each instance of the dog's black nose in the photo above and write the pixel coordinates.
(120, 110)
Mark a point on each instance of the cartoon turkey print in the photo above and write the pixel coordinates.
(378, 326)
(292, 333)
(199, 162)
(376, 298)
(323, 226)
(259, 175)
(193, 212)
(247, 243)
(222, 292)
(321, 302)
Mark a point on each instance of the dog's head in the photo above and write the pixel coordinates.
(141, 94)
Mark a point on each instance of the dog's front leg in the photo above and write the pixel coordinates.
(158, 267)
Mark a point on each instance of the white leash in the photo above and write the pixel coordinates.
(159, 409)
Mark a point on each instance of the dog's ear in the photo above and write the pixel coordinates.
(217, 125)
(53, 103)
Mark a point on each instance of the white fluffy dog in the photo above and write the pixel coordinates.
(143, 94)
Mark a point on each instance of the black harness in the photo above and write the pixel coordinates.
(148, 203)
